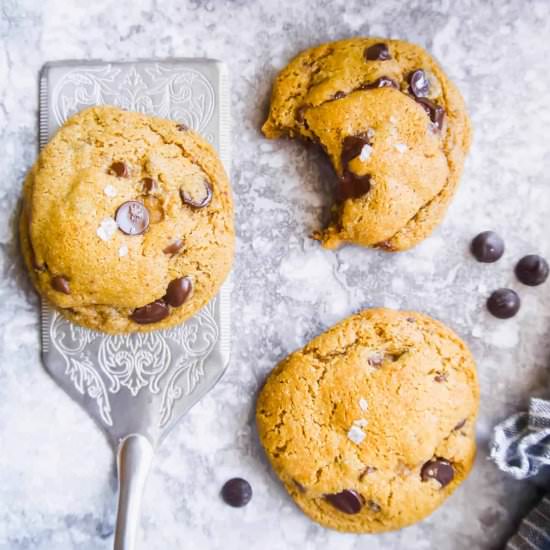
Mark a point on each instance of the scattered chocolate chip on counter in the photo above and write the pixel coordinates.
(532, 270)
(236, 492)
(487, 247)
(503, 303)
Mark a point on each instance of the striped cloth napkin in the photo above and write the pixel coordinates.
(521, 447)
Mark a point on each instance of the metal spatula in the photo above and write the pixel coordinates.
(138, 386)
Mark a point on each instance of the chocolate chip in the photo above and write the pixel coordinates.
(182, 127)
(434, 111)
(202, 200)
(503, 303)
(174, 247)
(419, 83)
(151, 313)
(439, 469)
(377, 52)
(149, 185)
(237, 492)
(132, 218)
(348, 501)
(178, 291)
(373, 506)
(353, 186)
(339, 95)
(441, 377)
(61, 284)
(460, 425)
(299, 486)
(487, 247)
(119, 169)
(382, 82)
(532, 270)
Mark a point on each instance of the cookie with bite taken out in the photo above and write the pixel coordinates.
(395, 129)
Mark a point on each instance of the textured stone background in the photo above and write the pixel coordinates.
(56, 471)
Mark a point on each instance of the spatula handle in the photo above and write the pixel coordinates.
(135, 455)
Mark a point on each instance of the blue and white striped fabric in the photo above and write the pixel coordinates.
(521, 447)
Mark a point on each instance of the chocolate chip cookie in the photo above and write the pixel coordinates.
(371, 426)
(394, 127)
(127, 223)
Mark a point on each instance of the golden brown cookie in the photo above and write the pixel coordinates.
(371, 426)
(127, 223)
(394, 127)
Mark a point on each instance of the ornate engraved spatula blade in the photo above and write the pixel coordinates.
(138, 386)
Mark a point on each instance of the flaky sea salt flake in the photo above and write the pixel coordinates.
(106, 229)
(401, 147)
(365, 152)
(356, 434)
(363, 404)
(123, 251)
(110, 191)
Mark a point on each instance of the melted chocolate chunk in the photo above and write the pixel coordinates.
(352, 147)
(503, 303)
(178, 291)
(382, 82)
(348, 501)
(487, 247)
(439, 469)
(132, 218)
(182, 127)
(149, 185)
(353, 186)
(61, 284)
(441, 377)
(237, 492)
(119, 169)
(434, 111)
(174, 247)
(151, 313)
(419, 83)
(339, 95)
(532, 270)
(377, 52)
(200, 201)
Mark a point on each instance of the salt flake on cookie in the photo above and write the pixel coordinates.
(107, 228)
